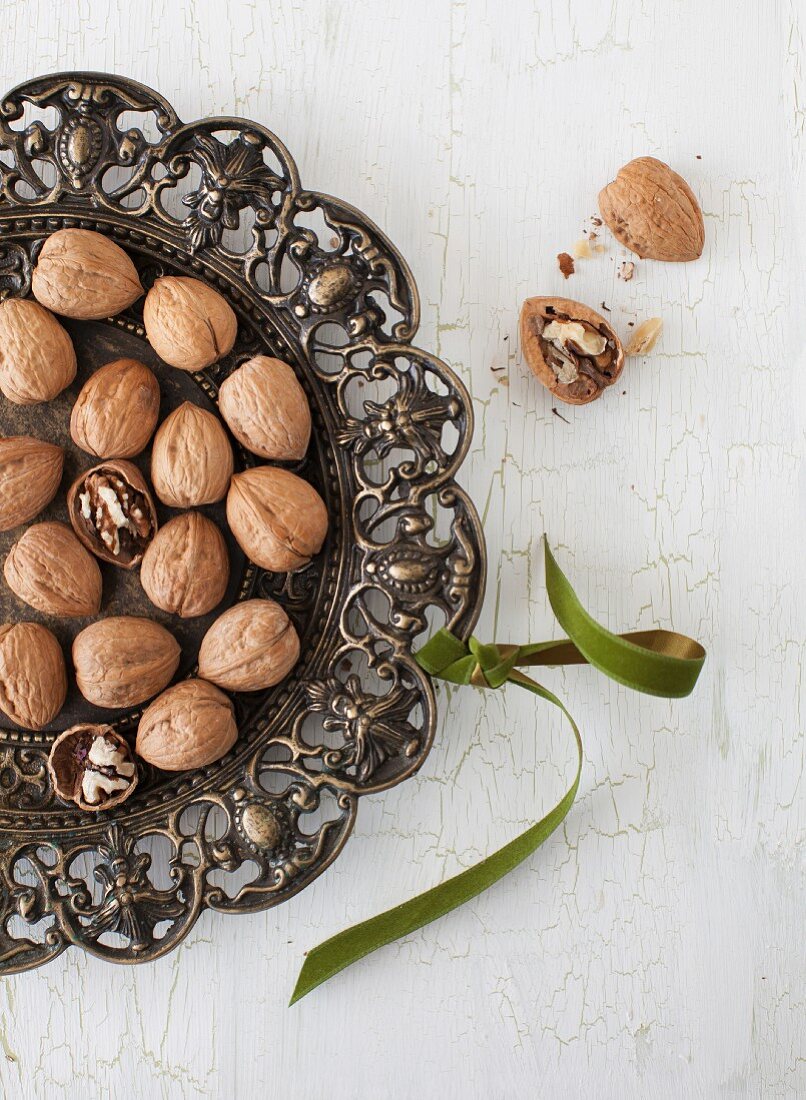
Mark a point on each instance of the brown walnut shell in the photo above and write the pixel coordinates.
(85, 499)
(185, 570)
(190, 725)
(30, 473)
(92, 766)
(37, 358)
(252, 646)
(188, 324)
(278, 520)
(266, 409)
(653, 212)
(191, 460)
(124, 660)
(83, 274)
(50, 570)
(33, 677)
(570, 373)
(116, 412)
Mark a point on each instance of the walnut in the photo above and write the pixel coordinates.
(252, 646)
(645, 337)
(266, 409)
(653, 211)
(573, 351)
(191, 460)
(190, 725)
(83, 274)
(278, 520)
(30, 473)
(112, 512)
(188, 324)
(116, 412)
(37, 359)
(124, 660)
(185, 570)
(93, 767)
(50, 570)
(33, 677)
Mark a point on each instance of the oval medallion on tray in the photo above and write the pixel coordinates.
(220, 200)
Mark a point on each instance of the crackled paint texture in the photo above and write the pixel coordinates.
(655, 946)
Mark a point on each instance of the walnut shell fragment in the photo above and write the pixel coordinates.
(278, 520)
(33, 677)
(188, 324)
(190, 725)
(266, 409)
(185, 570)
(116, 412)
(653, 212)
(37, 358)
(252, 646)
(112, 512)
(572, 349)
(30, 473)
(93, 767)
(124, 660)
(191, 459)
(83, 274)
(50, 570)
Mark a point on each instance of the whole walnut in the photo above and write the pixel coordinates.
(37, 359)
(50, 570)
(124, 660)
(116, 412)
(266, 409)
(278, 520)
(190, 725)
(83, 274)
(191, 460)
(252, 646)
(33, 678)
(30, 473)
(653, 211)
(188, 324)
(185, 570)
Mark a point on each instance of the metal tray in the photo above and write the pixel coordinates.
(313, 282)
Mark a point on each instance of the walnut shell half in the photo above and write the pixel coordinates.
(83, 274)
(653, 212)
(112, 513)
(278, 520)
(116, 412)
(572, 349)
(33, 677)
(191, 460)
(190, 725)
(188, 324)
(185, 570)
(30, 473)
(50, 570)
(124, 660)
(93, 767)
(37, 358)
(266, 409)
(252, 646)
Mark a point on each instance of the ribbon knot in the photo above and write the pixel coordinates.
(446, 657)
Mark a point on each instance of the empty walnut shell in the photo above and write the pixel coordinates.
(30, 473)
(116, 412)
(573, 351)
(266, 409)
(191, 460)
(252, 646)
(190, 725)
(278, 520)
(37, 358)
(124, 660)
(33, 677)
(50, 570)
(93, 767)
(653, 211)
(185, 570)
(83, 274)
(188, 324)
(112, 513)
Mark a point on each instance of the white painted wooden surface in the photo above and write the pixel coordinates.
(655, 947)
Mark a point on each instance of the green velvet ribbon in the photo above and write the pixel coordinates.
(657, 662)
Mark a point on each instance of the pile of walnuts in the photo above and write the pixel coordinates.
(277, 518)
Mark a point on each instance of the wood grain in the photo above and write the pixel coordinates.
(655, 946)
